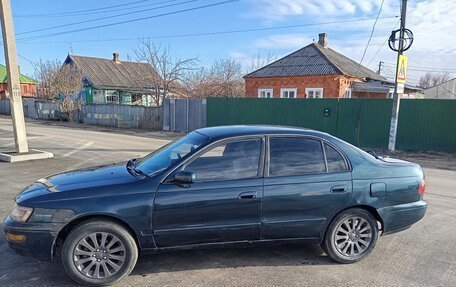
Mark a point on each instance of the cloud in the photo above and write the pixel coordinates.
(432, 22)
(273, 10)
(283, 41)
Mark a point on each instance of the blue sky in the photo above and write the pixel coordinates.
(432, 21)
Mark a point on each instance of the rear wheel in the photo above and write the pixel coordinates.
(99, 253)
(351, 236)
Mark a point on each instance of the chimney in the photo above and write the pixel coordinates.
(115, 57)
(19, 69)
(323, 40)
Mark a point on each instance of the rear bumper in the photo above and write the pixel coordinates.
(39, 240)
(400, 217)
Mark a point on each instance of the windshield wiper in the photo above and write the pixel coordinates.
(140, 172)
(131, 165)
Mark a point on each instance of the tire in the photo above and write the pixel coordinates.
(351, 236)
(103, 263)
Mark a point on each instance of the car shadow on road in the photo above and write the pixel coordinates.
(24, 271)
(277, 255)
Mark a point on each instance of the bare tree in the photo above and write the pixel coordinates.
(429, 79)
(257, 61)
(170, 72)
(66, 84)
(226, 78)
(45, 72)
(223, 79)
(198, 84)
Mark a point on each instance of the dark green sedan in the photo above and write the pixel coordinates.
(220, 186)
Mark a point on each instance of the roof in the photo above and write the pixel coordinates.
(107, 73)
(312, 60)
(22, 78)
(370, 87)
(245, 130)
(390, 83)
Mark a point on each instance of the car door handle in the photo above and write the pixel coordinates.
(247, 195)
(339, 188)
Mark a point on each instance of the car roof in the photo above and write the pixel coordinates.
(221, 132)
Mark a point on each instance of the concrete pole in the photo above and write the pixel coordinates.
(14, 85)
(396, 96)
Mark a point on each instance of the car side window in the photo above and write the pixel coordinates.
(229, 161)
(334, 160)
(295, 156)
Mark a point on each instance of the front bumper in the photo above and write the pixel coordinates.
(400, 217)
(39, 238)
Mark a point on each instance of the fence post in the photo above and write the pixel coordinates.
(188, 110)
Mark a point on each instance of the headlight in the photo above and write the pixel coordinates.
(21, 213)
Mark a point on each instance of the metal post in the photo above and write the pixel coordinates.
(14, 85)
(188, 108)
(380, 64)
(396, 97)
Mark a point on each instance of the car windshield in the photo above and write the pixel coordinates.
(169, 154)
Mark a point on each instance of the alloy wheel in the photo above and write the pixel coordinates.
(99, 255)
(353, 236)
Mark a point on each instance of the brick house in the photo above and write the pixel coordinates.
(315, 71)
(28, 85)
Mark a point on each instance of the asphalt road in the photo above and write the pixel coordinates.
(424, 255)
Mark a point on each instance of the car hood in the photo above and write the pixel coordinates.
(89, 177)
(80, 179)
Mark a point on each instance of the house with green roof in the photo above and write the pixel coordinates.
(28, 85)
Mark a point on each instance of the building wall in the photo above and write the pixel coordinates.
(27, 90)
(369, 95)
(445, 90)
(333, 85)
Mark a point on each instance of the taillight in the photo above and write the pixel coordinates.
(422, 187)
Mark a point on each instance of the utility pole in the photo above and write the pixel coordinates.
(14, 85)
(396, 96)
(380, 66)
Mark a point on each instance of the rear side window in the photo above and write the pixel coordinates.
(295, 156)
(334, 159)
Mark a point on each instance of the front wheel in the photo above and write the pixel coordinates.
(99, 253)
(351, 236)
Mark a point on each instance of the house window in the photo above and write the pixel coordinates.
(97, 97)
(112, 97)
(288, 93)
(314, 93)
(265, 93)
(125, 98)
(348, 93)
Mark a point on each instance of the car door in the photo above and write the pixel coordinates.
(224, 202)
(307, 181)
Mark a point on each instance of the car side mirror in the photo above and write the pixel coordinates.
(184, 178)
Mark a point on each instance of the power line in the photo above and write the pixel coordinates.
(92, 10)
(427, 69)
(20, 56)
(422, 67)
(129, 21)
(217, 32)
(370, 37)
(383, 44)
(104, 18)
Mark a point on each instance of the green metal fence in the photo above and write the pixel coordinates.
(363, 122)
(424, 125)
(427, 125)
